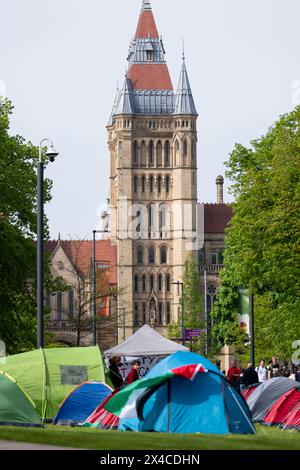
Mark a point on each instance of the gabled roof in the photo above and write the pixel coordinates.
(146, 342)
(80, 254)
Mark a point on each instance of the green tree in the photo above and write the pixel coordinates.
(17, 234)
(263, 240)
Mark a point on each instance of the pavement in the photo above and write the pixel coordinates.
(11, 445)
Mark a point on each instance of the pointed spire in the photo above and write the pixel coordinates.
(125, 102)
(116, 101)
(184, 97)
(146, 25)
(146, 5)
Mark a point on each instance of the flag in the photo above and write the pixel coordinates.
(123, 404)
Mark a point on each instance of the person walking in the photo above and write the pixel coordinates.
(262, 371)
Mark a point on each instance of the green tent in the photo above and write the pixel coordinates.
(49, 375)
(16, 407)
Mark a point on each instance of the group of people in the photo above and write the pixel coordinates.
(115, 375)
(242, 378)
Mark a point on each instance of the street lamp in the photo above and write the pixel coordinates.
(51, 154)
(182, 309)
(94, 286)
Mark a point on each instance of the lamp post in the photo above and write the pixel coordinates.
(206, 312)
(178, 283)
(51, 155)
(94, 286)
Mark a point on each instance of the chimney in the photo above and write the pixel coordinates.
(220, 191)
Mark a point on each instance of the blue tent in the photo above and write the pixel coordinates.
(207, 404)
(81, 403)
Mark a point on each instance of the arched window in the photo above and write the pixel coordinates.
(160, 282)
(168, 316)
(151, 255)
(151, 182)
(168, 184)
(143, 184)
(149, 220)
(136, 313)
(144, 283)
(135, 151)
(140, 255)
(168, 283)
(143, 154)
(135, 184)
(163, 255)
(167, 153)
(159, 184)
(151, 282)
(159, 154)
(150, 153)
(177, 153)
(160, 312)
(136, 283)
(185, 150)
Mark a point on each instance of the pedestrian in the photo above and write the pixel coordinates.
(233, 375)
(134, 373)
(114, 373)
(250, 376)
(262, 371)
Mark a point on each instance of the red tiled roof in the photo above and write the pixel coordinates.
(150, 77)
(217, 217)
(80, 253)
(146, 25)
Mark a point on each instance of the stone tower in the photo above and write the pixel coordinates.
(152, 136)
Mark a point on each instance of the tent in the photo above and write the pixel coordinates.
(267, 394)
(249, 390)
(81, 402)
(292, 420)
(48, 375)
(184, 393)
(16, 408)
(101, 418)
(279, 412)
(145, 342)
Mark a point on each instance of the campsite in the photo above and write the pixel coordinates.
(64, 397)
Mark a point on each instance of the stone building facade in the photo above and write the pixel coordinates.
(152, 137)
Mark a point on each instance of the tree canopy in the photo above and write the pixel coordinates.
(263, 240)
(18, 183)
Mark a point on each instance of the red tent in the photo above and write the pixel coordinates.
(281, 409)
(248, 390)
(101, 418)
(292, 421)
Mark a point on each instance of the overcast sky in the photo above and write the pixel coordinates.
(61, 59)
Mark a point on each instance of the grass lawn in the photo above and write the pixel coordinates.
(265, 439)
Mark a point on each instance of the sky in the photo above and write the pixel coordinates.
(61, 60)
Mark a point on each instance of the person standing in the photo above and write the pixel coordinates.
(114, 373)
(134, 373)
(250, 376)
(233, 375)
(262, 371)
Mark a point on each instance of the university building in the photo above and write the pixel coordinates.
(154, 210)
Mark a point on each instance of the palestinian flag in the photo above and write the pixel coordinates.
(123, 404)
